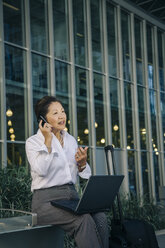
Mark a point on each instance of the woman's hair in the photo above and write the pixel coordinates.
(42, 105)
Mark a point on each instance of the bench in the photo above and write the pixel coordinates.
(22, 232)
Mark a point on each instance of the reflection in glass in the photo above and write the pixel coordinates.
(162, 108)
(40, 80)
(145, 174)
(150, 58)
(82, 109)
(60, 30)
(15, 155)
(39, 29)
(99, 110)
(125, 45)
(111, 32)
(128, 115)
(15, 89)
(142, 117)
(114, 99)
(13, 21)
(131, 172)
(79, 32)
(156, 171)
(152, 95)
(138, 49)
(62, 87)
(161, 65)
(96, 35)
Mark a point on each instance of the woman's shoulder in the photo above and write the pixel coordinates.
(36, 138)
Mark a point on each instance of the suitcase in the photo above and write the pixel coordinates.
(128, 233)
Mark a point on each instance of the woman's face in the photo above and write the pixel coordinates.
(56, 116)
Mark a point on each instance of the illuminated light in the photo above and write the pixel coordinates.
(102, 141)
(143, 131)
(9, 113)
(11, 130)
(128, 147)
(157, 153)
(164, 134)
(10, 6)
(9, 123)
(115, 128)
(80, 35)
(86, 131)
(78, 138)
(96, 124)
(69, 122)
(66, 129)
(146, 170)
(12, 136)
(156, 149)
(154, 145)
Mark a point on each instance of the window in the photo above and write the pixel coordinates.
(13, 21)
(99, 110)
(82, 107)
(39, 28)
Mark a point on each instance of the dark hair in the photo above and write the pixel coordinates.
(42, 105)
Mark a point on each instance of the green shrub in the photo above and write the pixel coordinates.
(15, 189)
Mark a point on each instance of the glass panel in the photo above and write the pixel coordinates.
(142, 118)
(96, 35)
(82, 107)
(62, 87)
(154, 117)
(111, 33)
(79, 32)
(131, 172)
(160, 58)
(145, 174)
(162, 107)
(39, 30)
(15, 89)
(60, 30)
(150, 58)
(15, 155)
(125, 45)
(128, 115)
(114, 99)
(40, 80)
(13, 21)
(99, 110)
(156, 171)
(138, 49)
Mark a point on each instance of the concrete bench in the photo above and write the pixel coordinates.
(22, 232)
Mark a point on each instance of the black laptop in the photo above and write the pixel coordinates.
(98, 195)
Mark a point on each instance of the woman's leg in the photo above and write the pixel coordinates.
(102, 228)
(81, 227)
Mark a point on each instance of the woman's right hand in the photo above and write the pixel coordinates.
(47, 133)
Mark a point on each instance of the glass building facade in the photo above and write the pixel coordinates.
(106, 63)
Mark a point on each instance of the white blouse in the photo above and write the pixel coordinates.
(56, 168)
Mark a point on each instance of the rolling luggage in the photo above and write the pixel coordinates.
(128, 233)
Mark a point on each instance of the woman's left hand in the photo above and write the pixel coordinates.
(81, 158)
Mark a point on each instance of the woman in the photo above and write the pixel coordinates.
(55, 161)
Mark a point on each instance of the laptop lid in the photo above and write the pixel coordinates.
(99, 193)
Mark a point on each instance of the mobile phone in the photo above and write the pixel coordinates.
(43, 120)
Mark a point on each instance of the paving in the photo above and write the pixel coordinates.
(161, 238)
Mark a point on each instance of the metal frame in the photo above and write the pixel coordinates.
(3, 91)
(136, 131)
(148, 119)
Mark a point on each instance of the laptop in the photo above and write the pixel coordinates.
(98, 195)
